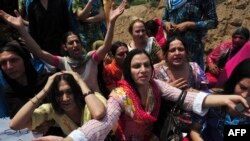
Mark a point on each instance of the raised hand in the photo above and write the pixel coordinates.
(115, 13)
(74, 74)
(16, 22)
(50, 81)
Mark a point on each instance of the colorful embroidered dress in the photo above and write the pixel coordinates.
(135, 121)
(195, 80)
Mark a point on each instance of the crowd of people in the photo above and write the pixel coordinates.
(63, 76)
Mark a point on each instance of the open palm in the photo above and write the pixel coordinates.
(16, 22)
(114, 13)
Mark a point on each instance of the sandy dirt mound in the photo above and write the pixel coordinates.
(231, 13)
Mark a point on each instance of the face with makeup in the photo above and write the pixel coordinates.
(176, 54)
(141, 69)
(66, 97)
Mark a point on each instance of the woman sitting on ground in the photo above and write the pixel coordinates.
(134, 105)
(71, 105)
(217, 59)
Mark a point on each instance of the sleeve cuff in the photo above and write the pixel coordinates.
(198, 101)
(77, 135)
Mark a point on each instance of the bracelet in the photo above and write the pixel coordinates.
(32, 101)
(88, 93)
(37, 99)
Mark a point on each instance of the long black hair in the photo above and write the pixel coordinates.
(127, 67)
(54, 94)
(30, 71)
(171, 39)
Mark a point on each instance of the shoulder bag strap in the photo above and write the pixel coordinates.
(180, 101)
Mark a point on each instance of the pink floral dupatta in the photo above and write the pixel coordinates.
(134, 114)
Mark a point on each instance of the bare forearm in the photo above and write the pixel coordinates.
(34, 48)
(96, 18)
(23, 118)
(95, 106)
(83, 14)
(107, 41)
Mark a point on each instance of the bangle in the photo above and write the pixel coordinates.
(37, 99)
(32, 102)
(88, 93)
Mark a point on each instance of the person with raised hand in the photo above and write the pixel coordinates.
(71, 104)
(134, 105)
(77, 59)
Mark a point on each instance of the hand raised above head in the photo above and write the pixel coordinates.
(50, 81)
(16, 22)
(116, 12)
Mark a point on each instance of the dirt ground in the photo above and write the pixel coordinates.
(231, 14)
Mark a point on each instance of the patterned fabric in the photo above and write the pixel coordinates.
(203, 13)
(152, 48)
(132, 105)
(112, 74)
(134, 115)
(174, 4)
(89, 32)
(213, 123)
(46, 112)
(195, 80)
(96, 130)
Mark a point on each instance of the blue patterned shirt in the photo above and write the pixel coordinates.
(202, 12)
(214, 121)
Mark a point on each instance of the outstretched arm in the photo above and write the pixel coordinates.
(198, 101)
(114, 14)
(17, 22)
